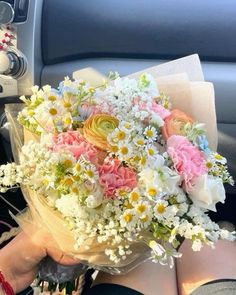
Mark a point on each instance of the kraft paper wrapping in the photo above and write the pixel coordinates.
(183, 81)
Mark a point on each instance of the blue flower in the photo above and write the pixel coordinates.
(203, 143)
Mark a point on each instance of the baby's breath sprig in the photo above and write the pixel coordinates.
(10, 177)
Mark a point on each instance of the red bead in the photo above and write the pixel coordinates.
(1, 47)
(7, 288)
(6, 35)
(4, 41)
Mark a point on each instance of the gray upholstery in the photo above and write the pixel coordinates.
(138, 28)
(128, 36)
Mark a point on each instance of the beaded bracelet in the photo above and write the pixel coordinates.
(7, 288)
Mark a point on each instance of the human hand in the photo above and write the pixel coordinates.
(19, 260)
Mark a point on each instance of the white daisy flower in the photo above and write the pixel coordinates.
(160, 208)
(150, 133)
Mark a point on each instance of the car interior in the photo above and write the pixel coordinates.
(54, 38)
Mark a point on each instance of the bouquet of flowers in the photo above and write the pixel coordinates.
(117, 173)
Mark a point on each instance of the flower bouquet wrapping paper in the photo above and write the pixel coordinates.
(121, 170)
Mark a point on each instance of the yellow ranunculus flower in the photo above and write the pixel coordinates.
(97, 127)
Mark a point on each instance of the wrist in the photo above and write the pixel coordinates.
(6, 270)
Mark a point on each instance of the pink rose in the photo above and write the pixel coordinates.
(113, 176)
(188, 160)
(76, 144)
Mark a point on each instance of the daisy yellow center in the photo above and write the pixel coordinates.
(140, 141)
(31, 113)
(114, 148)
(141, 208)
(144, 218)
(67, 163)
(150, 151)
(78, 167)
(209, 165)
(76, 178)
(90, 173)
(128, 217)
(122, 193)
(75, 190)
(152, 192)
(52, 98)
(67, 104)
(134, 196)
(161, 208)
(218, 157)
(68, 181)
(143, 161)
(124, 150)
(136, 158)
(127, 125)
(67, 121)
(128, 205)
(120, 135)
(149, 133)
(53, 111)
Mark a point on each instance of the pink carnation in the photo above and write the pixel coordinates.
(159, 110)
(74, 142)
(113, 176)
(188, 160)
(155, 108)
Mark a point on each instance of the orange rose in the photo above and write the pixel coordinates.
(174, 124)
(97, 127)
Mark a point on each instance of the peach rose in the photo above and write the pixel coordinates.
(97, 127)
(174, 124)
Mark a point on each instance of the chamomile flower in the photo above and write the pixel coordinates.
(90, 173)
(150, 133)
(67, 120)
(142, 208)
(119, 135)
(151, 150)
(127, 127)
(125, 151)
(145, 220)
(160, 208)
(215, 157)
(139, 141)
(128, 219)
(53, 110)
(152, 191)
(78, 168)
(135, 196)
